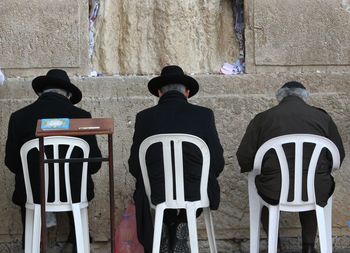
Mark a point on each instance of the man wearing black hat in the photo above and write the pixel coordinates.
(57, 96)
(291, 116)
(173, 114)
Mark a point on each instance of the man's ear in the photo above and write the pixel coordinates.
(187, 93)
(160, 93)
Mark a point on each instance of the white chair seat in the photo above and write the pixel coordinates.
(79, 210)
(324, 215)
(179, 202)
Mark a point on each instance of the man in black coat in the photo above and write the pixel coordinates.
(173, 114)
(57, 96)
(291, 116)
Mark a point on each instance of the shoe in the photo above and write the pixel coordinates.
(164, 240)
(309, 248)
(181, 244)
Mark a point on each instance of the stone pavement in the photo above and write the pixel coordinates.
(15, 247)
(223, 247)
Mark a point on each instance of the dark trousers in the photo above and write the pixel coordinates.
(175, 216)
(308, 223)
(71, 236)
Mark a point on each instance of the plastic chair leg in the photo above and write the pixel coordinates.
(210, 229)
(192, 228)
(274, 216)
(28, 236)
(158, 223)
(254, 216)
(78, 228)
(36, 230)
(85, 223)
(328, 218)
(324, 222)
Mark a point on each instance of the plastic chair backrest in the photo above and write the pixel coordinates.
(298, 139)
(176, 139)
(55, 142)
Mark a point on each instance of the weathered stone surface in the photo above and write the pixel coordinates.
(43, 34)
(298, 32)
(134, 37)
(140, 37)
(235, 101)
(289, 245)
(284, 41)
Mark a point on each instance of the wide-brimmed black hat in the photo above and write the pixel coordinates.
(173, 75)
(293, 85)
(57, 78)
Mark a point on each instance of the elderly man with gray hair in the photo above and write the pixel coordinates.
(173, 114)
(57, 99)
(291, 116)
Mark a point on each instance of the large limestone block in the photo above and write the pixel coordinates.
(43, 34)
(299, 32)
(140, 37)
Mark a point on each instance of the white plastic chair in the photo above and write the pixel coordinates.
(80, 211)
(179, 202)
(324, 214)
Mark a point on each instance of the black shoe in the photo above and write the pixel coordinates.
(181, 244)
(164, 240)
(309, 248)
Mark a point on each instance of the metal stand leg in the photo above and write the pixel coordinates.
(42, 196)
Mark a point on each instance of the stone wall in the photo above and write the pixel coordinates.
(297, 36)
(235, 103)
(303, 22)
(43, 34)
(131, 37)
(136, 37)
(290, 40)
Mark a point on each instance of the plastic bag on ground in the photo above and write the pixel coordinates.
(126, 233)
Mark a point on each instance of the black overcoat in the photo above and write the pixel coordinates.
(173, 114)
(22, 125)
(291, 116)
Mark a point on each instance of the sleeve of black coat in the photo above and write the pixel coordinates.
(217, 161)
(134, 164)
(334, 136)
(12, 155)
(248, 147)
(94, 152)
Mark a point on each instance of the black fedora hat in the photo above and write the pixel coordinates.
(57, 78)
(173, 75)
(293, 85)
